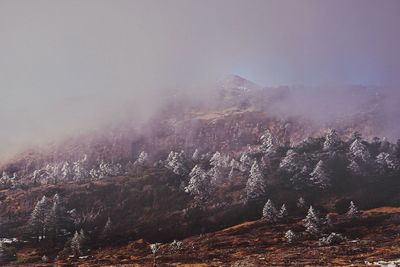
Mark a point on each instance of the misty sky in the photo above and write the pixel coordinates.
(67, 65)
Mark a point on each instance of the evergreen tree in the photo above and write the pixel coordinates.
(142, 159)
(176, 162)
(154, 249)
(359, 151)
(216, 159)
(270, 214)
(283, 213)
(353, 210)
(255, 185)
(245, 162)
(196, 155)
(320, 176)
(51, 220)
(66, 171)
(76, 243)
(290, 236)
(290, 163)
(37, 221)
(387, 164)
(199, 184)
(312, 222)
(332, 140)
(269, 143)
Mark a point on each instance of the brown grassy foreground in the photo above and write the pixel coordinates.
(372, 237)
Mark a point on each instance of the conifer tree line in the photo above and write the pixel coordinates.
(318, 163)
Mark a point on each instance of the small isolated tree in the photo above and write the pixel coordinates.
(283, 213)
(255, 185)
(320, 176)
(332, 140)
(154, 249)
(290, 236)
(76, 244)
(311, 222)
(270, 214)
(199, 184)
(353, 210)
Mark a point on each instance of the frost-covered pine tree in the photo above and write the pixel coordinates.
(359, 151)
(52, 218)
(176, 162)
(387, 163)
(216, 159)
(94, 173)
(353, 210)
(255, 185)
(5, 180)
(312, 222)
(268, 143)
(76, 244)
(290, 236)
(37, 220)
(216, 172)
(196, 155)
(79, 171)
(245, 162)
(320, 176)
(142, 159)
(290, 163)
(270, 214)
(283, 213)
(66, 171)
(217, 175)
(332, 140)
(199, 184)
(154, 249)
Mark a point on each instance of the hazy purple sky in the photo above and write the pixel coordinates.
(64, 64)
